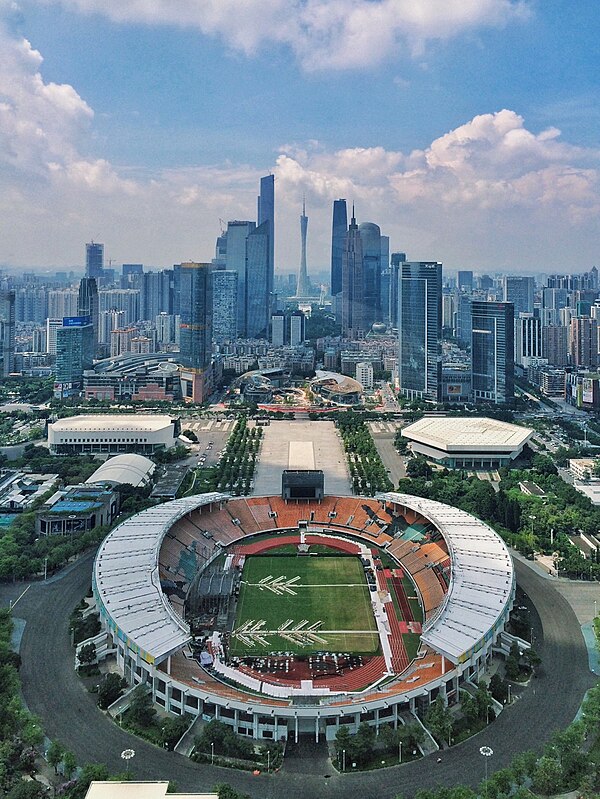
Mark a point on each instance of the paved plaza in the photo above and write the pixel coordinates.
(301, 445)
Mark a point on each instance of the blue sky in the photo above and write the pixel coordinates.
(469, 132)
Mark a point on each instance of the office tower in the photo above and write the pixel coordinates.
(220, 259)
(94, 261)
(303, 285)
(528, 339)
(266, 216)
(75, 342)
(131, 276)
(278, 329)
(62, 302)
(553, 299)
(372, 248)
(352, 282)
(195, 303)
(338, 237)
(464, 280)
(519, 291)
(157, 294)
(7, 332)
(258, 296)
(52, 325)
(583, 343)
(555, 344)
(126, 300)
(225, 305)
(297, 328)
(420, 329)
(397, 259)
(237, 234)
(87, 305)
(364, 374)
(492, 351)
(384, 281)
(485, 282)
(120, 340)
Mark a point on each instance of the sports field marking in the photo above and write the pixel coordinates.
(281, 585)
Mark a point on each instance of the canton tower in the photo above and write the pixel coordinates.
(303, 286)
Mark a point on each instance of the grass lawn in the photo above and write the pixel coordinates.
(329, 590)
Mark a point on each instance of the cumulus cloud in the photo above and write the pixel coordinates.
(491, 192)
(323, 34)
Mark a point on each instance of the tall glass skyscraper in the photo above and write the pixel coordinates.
(266, 215)
(74, 354)
(258, 295)
(195, 307)
(519, 291)
(492, 351)
(87, 305)
(420, 329)
(225, 300)
(237, 234)
(94, 260)
(338, 238)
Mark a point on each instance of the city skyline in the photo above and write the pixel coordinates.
(460, 133)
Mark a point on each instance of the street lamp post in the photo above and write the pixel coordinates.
(127, 755)
(487, 752)
(532, 521)
(343, 760)
(399, 751)
(212, 754)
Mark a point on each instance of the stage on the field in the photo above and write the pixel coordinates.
(302, 605)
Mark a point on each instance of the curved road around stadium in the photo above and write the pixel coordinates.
(69, 713)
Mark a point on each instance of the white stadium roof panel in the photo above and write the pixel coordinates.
(481, 582)
(127, 581)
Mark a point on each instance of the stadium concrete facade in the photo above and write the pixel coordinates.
(153, 584)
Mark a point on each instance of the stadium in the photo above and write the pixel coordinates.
(295, 614)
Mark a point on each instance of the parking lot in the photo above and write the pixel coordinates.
(212, 437)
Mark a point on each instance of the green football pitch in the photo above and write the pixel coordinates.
(303, 604)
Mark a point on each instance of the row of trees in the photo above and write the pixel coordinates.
(366, 469)
(235, 469)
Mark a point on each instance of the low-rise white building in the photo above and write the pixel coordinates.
(144, 433)
(583, 468)
(464, 442)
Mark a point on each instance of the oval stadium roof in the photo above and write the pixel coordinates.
(127, 581)
(129, 468)
(481, 584)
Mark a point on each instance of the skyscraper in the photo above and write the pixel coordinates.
(94, 260)
(519, 290)
(225, 300)
(584, 342)
(464, 280)
(237, 233)
(87, 305)
(397, 259)
(74, 354)
(352, 282)
(303, 286)
(195, 304)
(420, 329)
(492, 351)
(7, 332)
(528, 339)
(157, 294)
(372, 248)
(338, 238)
(258, 296)
(266, 216)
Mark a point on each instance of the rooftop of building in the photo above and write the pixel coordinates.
(129, 468)
(343, 384)
(464, 433)
(138, 790)
(113, 422)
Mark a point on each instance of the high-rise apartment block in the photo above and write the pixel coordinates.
(225, 305)
(492, 351)
(528, 339)
(584, 342)
(555, 344)
(7, 332)
(420, 329)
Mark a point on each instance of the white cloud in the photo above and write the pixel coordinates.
(489, 193)
(323, 34)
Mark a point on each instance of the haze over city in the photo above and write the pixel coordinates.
(468, 131)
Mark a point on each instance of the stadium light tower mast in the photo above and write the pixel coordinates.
(303, 286)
